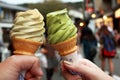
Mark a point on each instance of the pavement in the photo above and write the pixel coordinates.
(116, 62)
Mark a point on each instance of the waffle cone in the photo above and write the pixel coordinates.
(24, 46)
(66, 47)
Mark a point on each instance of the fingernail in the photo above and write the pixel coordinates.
(67, 62)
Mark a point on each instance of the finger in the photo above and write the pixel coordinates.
(79, 68)
(24, 62)
(36, 68)
(67, 75)
(62, 66)
(30, 75)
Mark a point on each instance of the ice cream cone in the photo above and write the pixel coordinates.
(24, 46)
(27, 32)
(66, 47)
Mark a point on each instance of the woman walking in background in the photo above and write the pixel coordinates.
(107, 48)
(89, 42)
(52, 60)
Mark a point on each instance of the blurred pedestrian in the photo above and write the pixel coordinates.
(52, 60)
(89, 42)
(1, 43)
(107, 48)
(77, 24)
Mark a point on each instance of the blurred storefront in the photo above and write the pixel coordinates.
(110, 9)
(107, 20)
(89, 8)
(7, 15)
(105, 11)
(117, 15)
(117, 18)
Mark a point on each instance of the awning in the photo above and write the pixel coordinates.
(6, 25)
(76, 14)
(13, 7)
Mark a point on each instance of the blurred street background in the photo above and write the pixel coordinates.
(83, 13)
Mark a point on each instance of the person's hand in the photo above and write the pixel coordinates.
(87, 69)
(11, 68)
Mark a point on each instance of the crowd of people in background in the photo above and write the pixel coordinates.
(106, 37)
(107, 47)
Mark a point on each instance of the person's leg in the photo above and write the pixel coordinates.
(49, 73)
(111, 66)
(103, 64)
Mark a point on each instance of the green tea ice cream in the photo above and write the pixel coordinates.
(60, 27)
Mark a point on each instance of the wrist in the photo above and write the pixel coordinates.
(110, 78)
(106, 77)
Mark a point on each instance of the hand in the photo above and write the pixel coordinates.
(67, 75)
(87, 69)
(11, 68)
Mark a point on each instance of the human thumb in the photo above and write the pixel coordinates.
(75, 67)
(24, 62)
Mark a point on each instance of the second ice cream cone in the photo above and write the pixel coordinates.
(66, 47)
(24, 46)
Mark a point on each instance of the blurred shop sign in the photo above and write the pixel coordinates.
(108, 22)
(89, 7)
(117, 13)
(118, 1)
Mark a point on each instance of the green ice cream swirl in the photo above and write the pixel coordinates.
(28, 25)
(60, 26)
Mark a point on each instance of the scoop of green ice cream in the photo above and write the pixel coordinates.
(60, 26)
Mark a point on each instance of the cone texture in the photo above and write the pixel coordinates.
(66, 47)
(24, 46)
